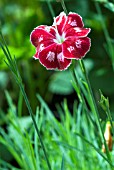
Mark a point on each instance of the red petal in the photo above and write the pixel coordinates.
(49, 29)
(76, 48)
(73, 20)
(78, 32)
(41, 34)
(48, 57)
(52, 58)
(42, 46)
(60, 22)
(52, 31)
(63, 63)
(36, 55)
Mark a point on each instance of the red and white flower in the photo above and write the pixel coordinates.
(66, 39)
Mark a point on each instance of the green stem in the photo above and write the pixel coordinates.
(50, 8)
(64, 6)
(94, 107)
(34, 122)
(77, 88)
(80, 92)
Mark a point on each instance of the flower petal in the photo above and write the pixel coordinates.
(52, 58)
(47, 57)
(60, 22)
(41, 34)
(76, 48)
(78, 32)
(73, 20)
(36, 55)
(63, 63)
(42, 46)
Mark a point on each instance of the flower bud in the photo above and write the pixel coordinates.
(108, 138)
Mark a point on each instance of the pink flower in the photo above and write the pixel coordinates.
(66, 39)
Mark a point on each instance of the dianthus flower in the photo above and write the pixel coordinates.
(58, 44)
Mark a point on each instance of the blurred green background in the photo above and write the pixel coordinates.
(18, 18)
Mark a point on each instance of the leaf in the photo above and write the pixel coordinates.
(60, 83)
(62, 164)
(110, 6)
(96, 149)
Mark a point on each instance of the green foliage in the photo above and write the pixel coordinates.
(107, 4)
(60, 83)
(74, 137)
(110, 6)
